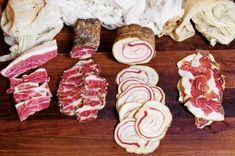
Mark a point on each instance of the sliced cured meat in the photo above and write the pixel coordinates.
(31, 59)
(134, 45)
(127, 82)
(86, 38)
(25, 86)
(127, 108)
(208, 110)
(27, 94)
(125, 135)
(39, 76)
(30, 107)
(89, 67)
(86, 113)
(136, 93)
(201, 87)
(81, 92)
(152, 120)
(159, 94)
(144, 73)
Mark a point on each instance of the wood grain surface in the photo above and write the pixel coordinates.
(49, 132)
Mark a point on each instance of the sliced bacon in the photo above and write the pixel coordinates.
(30, 107)
(153, 120)
(31, 59)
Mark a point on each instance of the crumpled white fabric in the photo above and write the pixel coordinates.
(153, 13)
(27, 23)
(215, 19)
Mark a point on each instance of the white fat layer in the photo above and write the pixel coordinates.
(128, 107)
(197, 112)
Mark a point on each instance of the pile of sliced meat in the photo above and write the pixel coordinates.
(82, 92)
(86, 38)
(201, 87)
(31, 92)
(144, 117)
(134, 45)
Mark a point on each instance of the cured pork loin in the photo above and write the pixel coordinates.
(201, 87)
(86, 38)
(144, 117)
(31, 59)
(31, 93)
(134, 45)
(82, 92)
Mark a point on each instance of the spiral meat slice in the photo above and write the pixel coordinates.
(134, 45)
(159, 94)
(125, 135)
(144, 73)
(127, 82)
(127, 108)
(136, 93)
(153, 120)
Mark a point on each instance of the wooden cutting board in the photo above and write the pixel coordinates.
(49, 132)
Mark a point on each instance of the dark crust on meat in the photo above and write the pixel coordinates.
(134, 30)
(87, 33)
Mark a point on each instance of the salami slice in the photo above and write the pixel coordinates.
(153, 120)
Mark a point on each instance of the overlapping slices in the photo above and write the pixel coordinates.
(82, 93)
(144, 117)
(31, 93)
(201, 87)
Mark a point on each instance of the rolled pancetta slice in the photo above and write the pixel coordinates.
(134, 45)
(136, 93)
(127, 82)
(86, 38)
(144, 73)
(153, 120)
(127, 108)
(125, 135)
(159, 94)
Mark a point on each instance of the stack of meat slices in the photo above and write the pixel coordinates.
(144, 117)
(82, 92)
(31, 93)
(201, 87)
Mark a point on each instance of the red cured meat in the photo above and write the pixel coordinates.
(38, 76)
(207, 106)
(31, 59)
(30, 107)
(27, 94)
(82, 52)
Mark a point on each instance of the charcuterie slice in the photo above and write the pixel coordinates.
(153, 120)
